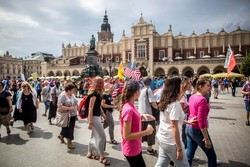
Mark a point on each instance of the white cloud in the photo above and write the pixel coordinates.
(12, 17)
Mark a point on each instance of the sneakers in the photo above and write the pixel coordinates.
(44, 115)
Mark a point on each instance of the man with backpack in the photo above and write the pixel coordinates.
(146, 105)
(38, 89)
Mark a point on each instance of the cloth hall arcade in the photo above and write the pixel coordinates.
(155, 54)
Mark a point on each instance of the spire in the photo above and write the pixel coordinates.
(105, 11)
(141, 18)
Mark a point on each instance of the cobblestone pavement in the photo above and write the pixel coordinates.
(230, 136)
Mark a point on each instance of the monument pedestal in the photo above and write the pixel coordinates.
(92, 69)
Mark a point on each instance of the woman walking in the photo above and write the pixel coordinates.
(67, 102)
(17, 115)
(172, 118)
(130, 121)
(5, 108)
(55, 92)
(97, 140)
(108, 106)
(26, 104)
(197, 135)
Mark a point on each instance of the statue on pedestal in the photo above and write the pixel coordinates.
(92, 43)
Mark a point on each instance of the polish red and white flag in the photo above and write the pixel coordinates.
(230, 61)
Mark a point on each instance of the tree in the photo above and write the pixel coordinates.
(245, 67)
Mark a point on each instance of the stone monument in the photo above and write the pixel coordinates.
(92, 68)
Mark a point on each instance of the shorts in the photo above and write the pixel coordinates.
(247, 106)
(47, 104)
(150, 139)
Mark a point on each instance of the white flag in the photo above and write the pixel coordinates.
(22, 77)
(229, 53)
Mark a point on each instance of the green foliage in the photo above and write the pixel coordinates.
(245, 67)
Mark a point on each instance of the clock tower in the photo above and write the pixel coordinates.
(105, 35)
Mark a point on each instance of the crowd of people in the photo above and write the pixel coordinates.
(178, 105)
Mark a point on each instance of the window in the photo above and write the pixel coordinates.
(141, 49)
(129, 56)
(14, 70)
(107, 59)
(216, 53)
(81, 61)
(98, 60)
(247, 52)
(177, 54)
(117, 59)
(202, 54)
(161, 54)
(188, 54)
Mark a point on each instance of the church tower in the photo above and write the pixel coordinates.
(105, 35)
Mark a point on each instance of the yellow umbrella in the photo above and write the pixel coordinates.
(205, 75)
(225, 75)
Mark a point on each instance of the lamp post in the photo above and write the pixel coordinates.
(110, 66)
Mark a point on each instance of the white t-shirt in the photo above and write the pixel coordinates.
(165, 131)
(144, 106)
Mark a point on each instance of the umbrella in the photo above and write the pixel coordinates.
(205, 75)
(221, 56)
(191, 57)
(225, 75)
(206, 56)
(178, 58)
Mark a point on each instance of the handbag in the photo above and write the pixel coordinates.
(4, 110)
(62, 119)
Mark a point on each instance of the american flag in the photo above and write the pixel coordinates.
(129, 70)
(136, 74)
(132, 72)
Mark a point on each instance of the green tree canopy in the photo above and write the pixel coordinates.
(245, 67)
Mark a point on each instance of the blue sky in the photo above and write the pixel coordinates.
(29, 26)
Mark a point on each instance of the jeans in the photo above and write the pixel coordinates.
(168, 153)
(194, 139)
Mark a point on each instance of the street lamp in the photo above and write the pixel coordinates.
(110, 66)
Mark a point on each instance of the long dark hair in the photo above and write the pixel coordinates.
(170, 92)
(130, 88)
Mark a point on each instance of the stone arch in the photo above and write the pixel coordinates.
(51, 73)
(219, 69)
(143, 71)
(105, 72)
(203, 70)
(173, 71)
(114, 72)
(75, 73)
(59, 73)
(188, 72)
(159, 72)
(67, 73)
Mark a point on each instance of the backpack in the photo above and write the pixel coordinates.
(82, 110)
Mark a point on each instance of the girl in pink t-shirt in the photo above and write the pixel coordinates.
(130, 121)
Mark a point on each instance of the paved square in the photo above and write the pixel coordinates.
(230, 136)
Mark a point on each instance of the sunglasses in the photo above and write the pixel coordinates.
(23, 86)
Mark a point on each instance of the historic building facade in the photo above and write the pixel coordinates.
(155, 54)
(10, 66)
(33, 64)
